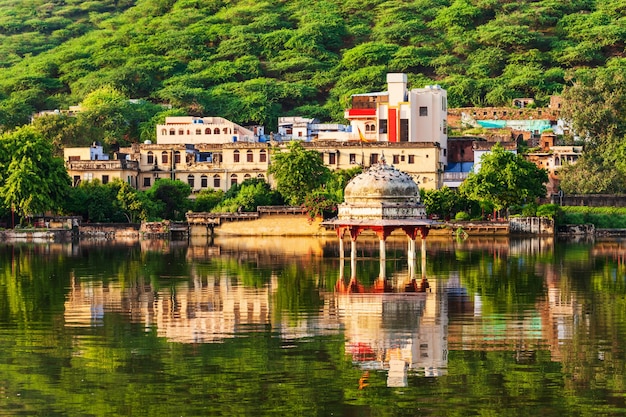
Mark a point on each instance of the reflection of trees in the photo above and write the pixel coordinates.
(122, 366)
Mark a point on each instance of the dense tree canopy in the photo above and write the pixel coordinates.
(251, 62)
(505, 179)
(298, 172)
(32, 180)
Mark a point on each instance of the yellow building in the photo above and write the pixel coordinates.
(90, 164)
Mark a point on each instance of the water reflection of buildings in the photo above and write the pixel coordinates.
(386, 327)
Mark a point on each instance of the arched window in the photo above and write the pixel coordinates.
(191, 180)
(198, 131)
(557, 161)
(181, 132)
(246, 177)
(233, 179)
(225, 131)
(262, 156)
(216, 181)
(204, 181)
(207, 131)
(164, 132)
(261, 176)
(177, 157)
(164, 157)
(249, 156)
(216, 131)
(150, 157)
(172, 132)
(236, 156)
(367, 128)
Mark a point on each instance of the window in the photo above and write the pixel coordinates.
(236, 156)
(404, 130)
(411, 159)
(445, 127)
(74, 158)
(396, 159)
(207, 131)
(146, 182)
(150, 158)
(423, 111)
(249, 156)
(172, 132)
(353, 158)
(177, 157)
(262, 156)
(225, 131)
(373, 158)
(246, 177)
(233, 179)
(204, 181)
(382, 126)
(191, 180)
(198, 131)
(216, 181)
(181, 132)
(261, 176)
(164, 132)
(76, 180)
(332, 158)
(164, 157)
(89, 176)
(105, 179)
(216, 131)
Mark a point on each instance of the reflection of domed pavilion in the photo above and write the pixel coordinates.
(382, 199)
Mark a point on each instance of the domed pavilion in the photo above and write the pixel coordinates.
(381, 199)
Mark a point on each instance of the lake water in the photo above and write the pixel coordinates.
(284, 327)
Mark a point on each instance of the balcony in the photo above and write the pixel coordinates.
(110, 165)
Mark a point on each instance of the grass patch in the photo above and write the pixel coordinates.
(600, 217)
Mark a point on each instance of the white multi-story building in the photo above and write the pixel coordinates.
(401, 115)
(181, 130)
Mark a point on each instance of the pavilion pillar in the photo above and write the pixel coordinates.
(353, 258)
(383, 254)
(341, 250)
(383, 269)
(411, 257)
(423, 257)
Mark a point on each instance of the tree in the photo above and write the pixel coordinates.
(297, 172)
(595, 104)
(170, 198)
(505, 179)
(32, 179)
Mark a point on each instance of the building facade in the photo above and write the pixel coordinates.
(183, 130)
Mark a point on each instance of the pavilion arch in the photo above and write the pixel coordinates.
(207, 131)
(164, 132)
(216, 131)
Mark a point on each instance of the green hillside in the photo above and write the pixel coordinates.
(252, 61)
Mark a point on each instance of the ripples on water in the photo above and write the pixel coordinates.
(282, 326)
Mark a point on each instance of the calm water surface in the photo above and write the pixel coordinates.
(283, 327)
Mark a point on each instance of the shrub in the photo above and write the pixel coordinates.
(462, 216)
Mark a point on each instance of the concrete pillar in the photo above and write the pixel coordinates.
(383, 269)
(423, 258)
(383, 254)
(353, 259)
(341, 250)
